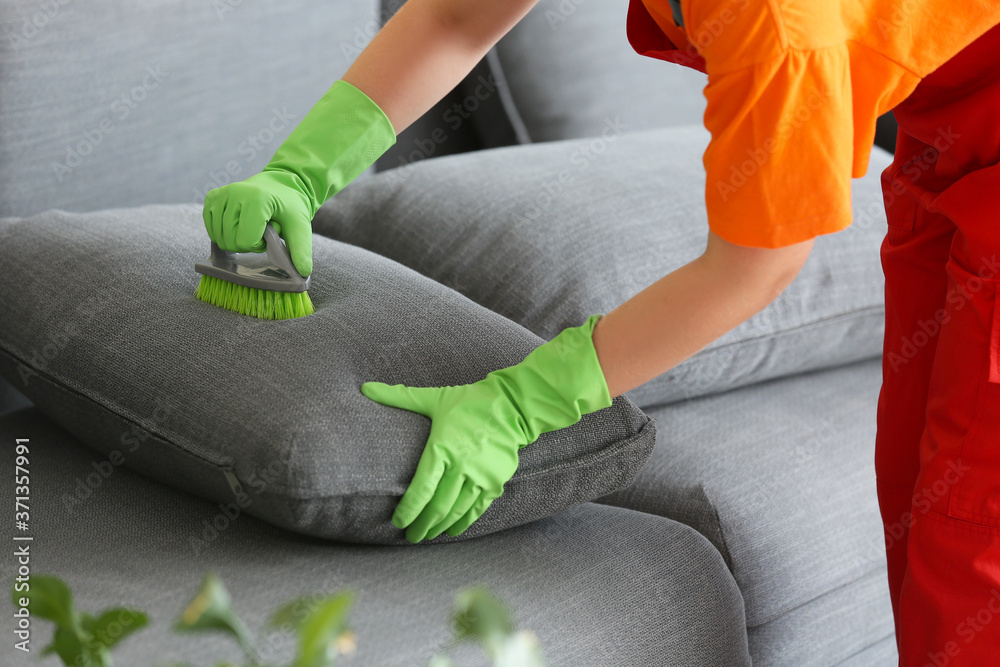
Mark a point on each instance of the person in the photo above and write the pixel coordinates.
(793, 93)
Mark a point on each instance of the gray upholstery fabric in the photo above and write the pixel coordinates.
(836, 626)
(598, 585)
(570, 70)
(10, 398)
(153, 102)
(549, 234)
(780, 477)
(882, 654)
(105, 335)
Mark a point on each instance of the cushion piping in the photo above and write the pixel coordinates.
(224, 463)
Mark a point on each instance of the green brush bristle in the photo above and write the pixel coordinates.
(264, 304)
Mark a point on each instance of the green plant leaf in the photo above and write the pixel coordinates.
(520, 649)
(440, 661)
(211, 609)
(49, 598)
(323, 634)
(294, 612)
(69, 648)
(86, 621)
(480, 616)
(114, 625)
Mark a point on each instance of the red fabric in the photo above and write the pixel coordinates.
(938, 447)
(648, 39)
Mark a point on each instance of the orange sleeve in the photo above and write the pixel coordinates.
(780, 159)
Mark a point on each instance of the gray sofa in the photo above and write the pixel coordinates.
(751, 534)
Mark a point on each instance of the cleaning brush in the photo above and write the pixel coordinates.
(273, 291)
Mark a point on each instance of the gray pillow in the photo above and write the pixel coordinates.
(548, 234)
(102, 332)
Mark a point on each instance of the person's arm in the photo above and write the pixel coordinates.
(426, 48)
(421, 53)
(684, 311)
(477, 429)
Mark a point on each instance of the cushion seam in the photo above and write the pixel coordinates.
(293, 493)
(844, 584)
(867, 310)
(61, 384)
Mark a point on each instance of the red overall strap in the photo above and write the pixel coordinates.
(648, 39)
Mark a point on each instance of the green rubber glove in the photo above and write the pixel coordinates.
(477, 429)
(343, 134)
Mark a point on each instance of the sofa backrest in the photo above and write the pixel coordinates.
(565, 71)
(572, 73)
(112, 103)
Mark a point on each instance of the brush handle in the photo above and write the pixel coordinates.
(225, 264)
(277, 252)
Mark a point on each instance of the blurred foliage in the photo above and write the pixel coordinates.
(319, 623)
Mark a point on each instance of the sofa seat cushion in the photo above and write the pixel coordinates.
(549, 234)
(780, 477)
(103, 333)
(851, 620)
(882, 654)
(598, 585)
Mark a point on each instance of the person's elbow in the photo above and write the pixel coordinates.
(482, 23)
(765, 270)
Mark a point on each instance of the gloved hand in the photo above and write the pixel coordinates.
(477, 429)
(343, 134)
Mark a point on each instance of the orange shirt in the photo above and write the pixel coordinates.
(794, 90)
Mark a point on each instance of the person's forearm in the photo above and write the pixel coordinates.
(684, 311)
(426, 49)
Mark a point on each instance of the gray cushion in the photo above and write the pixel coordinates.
(153, 102)
(837, 626)
(598, 585)
(10, 398)
(780, 477)
(570, 70)
(103, 333)
(882, 654)
(548, 234)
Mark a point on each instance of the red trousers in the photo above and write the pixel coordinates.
(937, 454)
